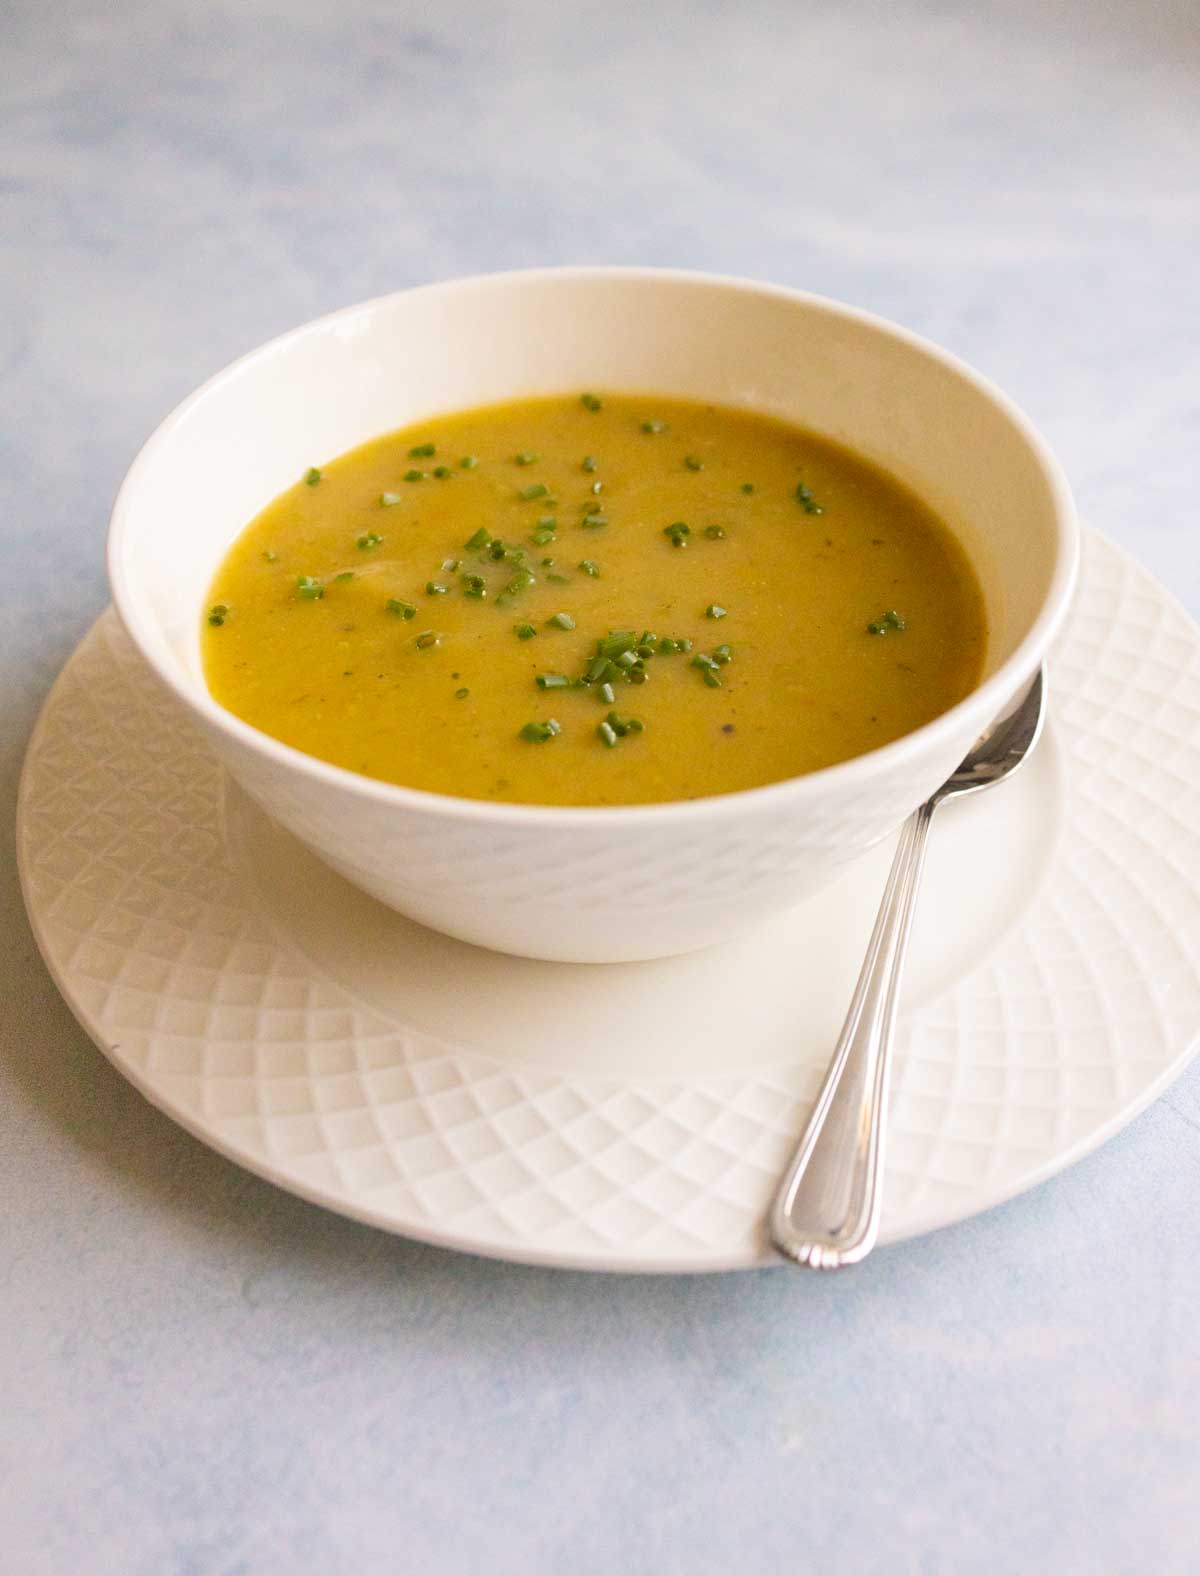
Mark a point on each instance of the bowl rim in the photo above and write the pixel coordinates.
(985, 701)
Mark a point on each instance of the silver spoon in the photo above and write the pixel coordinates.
(826, 1212)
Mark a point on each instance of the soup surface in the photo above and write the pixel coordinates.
(593, 600)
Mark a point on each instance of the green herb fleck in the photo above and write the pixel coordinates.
(311, 590)
(590, 401)
(553, 681)
(468, 462)
(677, 533)
(369, 539)
(608, 733)
(693, 462)
(715, 610)
(461, 694)
(399, 608)
(414, 476)
(545, 534)
(526, 457)
(442, 471)
(560, 621)
(346, 574)
(588, 463)
(537, 490)
(427, 639)
(886, 622)
(806, 500)
(714, 532)
(540, 732)
(312, 476)
(422, 451)
(389, 500)
(524, 631)
(218, 613)
(654, 426)
(481, 538)
(270, 557)
(747, 487)
(590, 568)
(435, 588)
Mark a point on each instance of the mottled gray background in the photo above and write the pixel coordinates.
(202, 1375)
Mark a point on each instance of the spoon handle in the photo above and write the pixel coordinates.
(826, 1212)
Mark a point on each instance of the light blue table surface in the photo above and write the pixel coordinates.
(200, 1374)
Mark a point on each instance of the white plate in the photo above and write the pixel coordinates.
(634, 1117)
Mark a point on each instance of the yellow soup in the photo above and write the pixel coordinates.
(590, 601)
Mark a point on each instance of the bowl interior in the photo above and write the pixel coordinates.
(305, 398)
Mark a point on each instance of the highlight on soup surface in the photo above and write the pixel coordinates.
(593, 600)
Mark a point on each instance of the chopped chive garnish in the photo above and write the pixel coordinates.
(711, 678)
(435, 588)
(560, 621)
(747, 487)
(308, 588)
(541, 537)
(526, 457)
(524, 631)
(461, 694)
(722, 654)
(553, 681)
(481, 538)
(537, 490)
(559, 580)
(540, 732)
(521, 581)
(590, 568)
(683, 644)
(474, 585)
(496, 551)
(422, 451)
(677, 533)
(714, 532)
(369, 539)
(590, 401)
(312, 476)
(218, 613)
(468, 462)
(607, 694)
(667, 647)
(701, 661)
(594, 522)
(388, 500)
(401, 609)
(693, 462)
(597, 487)
(427, 639)
(654, 426)
(615, 642)
(449, 565)
(414, 476)
(588, 463)
(547, 522)
(608, 733)
(271, 558)
(715, 610)
(442, 471)
(346, 574)
(886, 622)
(806, 500)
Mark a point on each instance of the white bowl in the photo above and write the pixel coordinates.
(604, 884)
